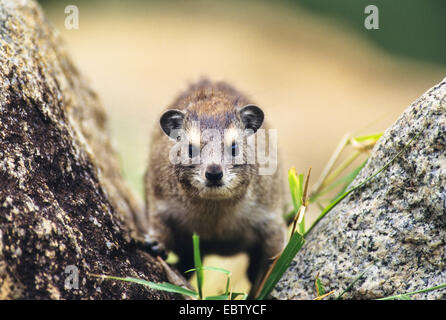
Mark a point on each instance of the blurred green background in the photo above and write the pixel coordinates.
(409, 28)
(313, 67)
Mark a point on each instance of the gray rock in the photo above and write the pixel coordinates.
(63, 203)
(396, 223)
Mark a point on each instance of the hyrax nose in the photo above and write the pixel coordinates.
(214, 172)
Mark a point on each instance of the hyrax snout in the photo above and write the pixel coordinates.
(213, 170)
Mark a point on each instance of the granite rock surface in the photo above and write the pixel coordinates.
(65, 211)
(394, 226)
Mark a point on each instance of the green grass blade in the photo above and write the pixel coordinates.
(327, 210)
(198, 264)
(228, 275)
(296, 184)
(346, 193)
(327, 189)
(350, 177)
(353, 283)
(164, 286)
(293, 183)
(298, 219)
(374, 137)
(227, 296)
(406, 295)
(227, 272)
(296, 242)
(345, 180)
(300, 189)
(319, 287)
(301, 226)
(220, 297)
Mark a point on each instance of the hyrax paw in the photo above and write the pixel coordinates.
(154, 247)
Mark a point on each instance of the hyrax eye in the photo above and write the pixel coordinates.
(193, 151)
(234, 149)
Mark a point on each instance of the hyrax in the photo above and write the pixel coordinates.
(229, 204)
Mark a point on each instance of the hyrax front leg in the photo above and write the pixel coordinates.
(154, 246)
(258, 266)
(263, 254)
(157, 239)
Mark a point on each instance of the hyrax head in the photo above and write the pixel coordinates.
(212, 152)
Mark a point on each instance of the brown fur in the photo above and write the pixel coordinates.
(248, 219)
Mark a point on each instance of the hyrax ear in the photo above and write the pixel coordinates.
(171, 120)
(252, 117)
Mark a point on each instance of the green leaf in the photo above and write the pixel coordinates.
(227, 272)
(198, 264)
(296, 185)
(164, 286)
(319, 287)
(300, 189)
(301, 226)
(296, 242)
(227, 296)
(374, 137)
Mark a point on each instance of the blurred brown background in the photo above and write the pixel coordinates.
(314, 75)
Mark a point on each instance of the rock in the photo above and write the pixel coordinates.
(396, 223)
(63, 204)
